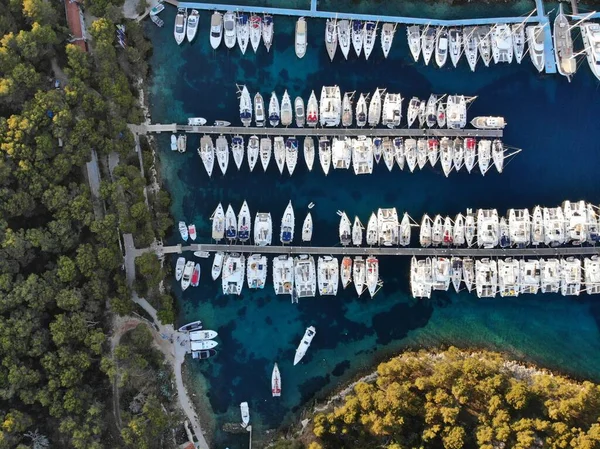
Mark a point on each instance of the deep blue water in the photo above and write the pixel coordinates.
(553, 121)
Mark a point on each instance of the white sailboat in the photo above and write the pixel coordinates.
(372, 278)
(346, 271)
(299, 112)
(237, 149)
(267, 31)
(441, 48)
(324, 154)
(370, 37)
(344, 38)
(263, 229)
(180, 25)
(286, 109)
(274, 110)
(291, 154)
(433, 146)
(498, 154)
(471, 46)
(230, 32)
(265, 152)
(413, 110)
(347, 109)
(357, 232)
(255, 31)
(374, 115)
(413, 35)
(207, 154)
(230, 224)
(484, 44)
(425, 232)
(358, 31)
(459, 153)
(484, 155)
(372, 230)
(455, 45)
(279, 153)
(563, 45)
(331, 38)
(300, 37)
(428, 39)
(304, 344)
(328, 276)
(388, 153)
(287, 225)
(410, 154)
(307, 228)
(192, 25)
(217, 265)
(470, 153)
(216, 30)
(245, 106)
(421, 153)
(222, 153)
(218, 223)
(253, 150)
(244, 222)
(345, 229)
(405, 231)
(387, 37)
(359, 274)
(312, 110)
(309, 152)
(361, 111)
(243, 31)
(518, 41)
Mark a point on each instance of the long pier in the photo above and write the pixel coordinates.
(349, 132)
(563, 251)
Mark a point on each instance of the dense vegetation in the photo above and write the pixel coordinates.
(60, 263)
(458, 400)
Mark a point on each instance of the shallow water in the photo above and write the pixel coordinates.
(553, 121)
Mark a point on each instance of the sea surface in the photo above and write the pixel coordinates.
(554, 122)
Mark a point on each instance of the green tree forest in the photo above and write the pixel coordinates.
(60, 263)
(455, 399)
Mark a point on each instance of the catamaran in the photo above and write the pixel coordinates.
(509, 278)
(207, 154)
(216, 30)
(180, 25)
(441, 48)
(347, 109)
(590, 33)
(244, 223)
(283, 275)
(300, 37)
(372, 230)
(502, 44)
(470, 36)
(243, 31)
(330, 106)
(232, 279)
(421, 277)
(529, 270)
(570, 276)
(263, 229)
(312, 110)
(550, 272)
(309, 152)
(179, 267)
(222, 153)
(230, 224)
(255, 31)
(488, 231)
(359, 274)
(279, 153)
(275, 382)
(307, 228)
(387, 227)
(291, 154)
(218, 223)
(362, 155)
(341, 153)
(287, 225)
(253, 150)
(230, 32)
(286, 109)
(192, 25)
(328, 275)
(358, 31)
(413, 34)
(486, 278)
(375, 108)
(256, 271)
(299, 112)
(387, 37)
(372, 275)
(535, 42)
(346, 271)
(267, 31)
(361, 111)
(265, 152)
(563, 45)
(274, 110)
(518, 40)
(519, 227)
(591, 270)
(344, 38)
(370, 37)
(428, 39)
(217, 265)
(304, 344)
(325, 154)
(237, 149)
(392, 110)
(331, 37)
(455, 45)
(305, 278)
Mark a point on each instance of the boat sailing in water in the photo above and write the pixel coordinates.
(304, 344)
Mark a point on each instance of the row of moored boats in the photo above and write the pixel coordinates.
(360, 153)
(508, 277)
(358, 34)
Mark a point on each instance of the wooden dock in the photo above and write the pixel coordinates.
(339, 132)
(563, 251)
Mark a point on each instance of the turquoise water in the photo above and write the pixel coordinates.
(553, 121)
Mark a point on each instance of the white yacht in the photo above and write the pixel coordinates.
(244, 223)
(230, 224)
(392, 110)
(243, 31)
(372, 230)
(519, 227)
(253, 151)
(428, 39)
(216, 30)
(484, 155)
(421, 277)
(370, 37)
(550, 275)
(181, 143)
(283, 275)
(433, 149)
(509, 277)
(312, 110)
(331, 37)
(276, 382)
(362, 155)
(328, 276)
(374, 115)
(413, 34)
(305, 276)
(530, 274)
(309, 152)
(330, 106)
(346, 271)
(341, 153)
(446, 155)
(300, 37)
(192, 25)
(563, 45)
(518, 41)
(299, 112)
(437, 231)
(593, 229)
(410, 153)
(576, 221)
(274, 110)
(218, 223)
(358, 32)
(207, 154)
(344, 37)
(388, 153)
(488, 231)
(413, 110)
(232, 278)
(347, 109)
(470, 153)
(279, 153)
(237, 149)
(387, 37)
(405, 231)
(286, 109)
(307, 228)
(504, 233)
(502, 44)
(180, 25)
(265, 152)
(470, 228)
(455, 45)
(425, 232)
(245, 106)
(179, 267)
(255, 31)
(441, 47)
(484, 44)
(222, 153)
(459, 230)
(570, 276)
(377, 148)
(357, 232)
(486, 278)
(553, 227)
(535, 43)
(217, 265)
(459, 153)
(470, 36)
(173, 142)
(590, 32)
(456, 112)
(287, 225)
(387, 227)
(229, 26)
(361, 111)
(291, 154)
(345, 229)
(468, 273)
(245, 414)
(259, 110)
(486, 122)
(267, 31)
(591, 271)
(325, 154)
(372, 275)
(304, 344)
(256, 271)
(263, 229)
(359, 274)
(441, 273)
(431, 111)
